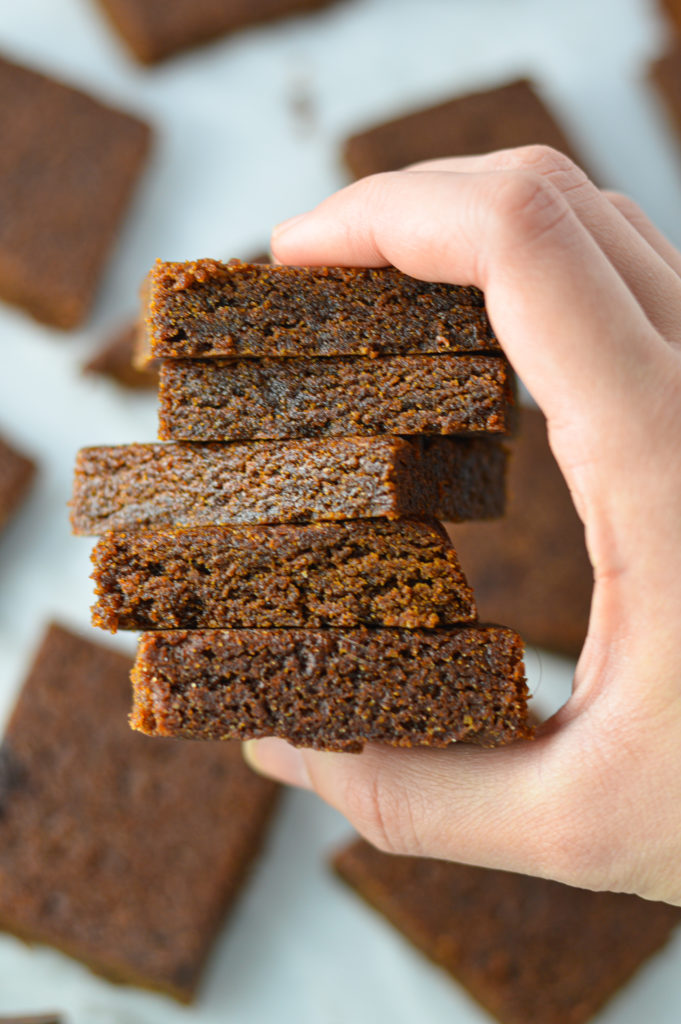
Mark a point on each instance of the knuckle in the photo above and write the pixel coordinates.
(526, 206)
(544, 160)
(383, 811)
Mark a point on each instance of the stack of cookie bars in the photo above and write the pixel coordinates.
(281, 546)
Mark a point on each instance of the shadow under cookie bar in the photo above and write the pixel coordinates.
(184, 484)
(528, 949)
(213, 400)
(211, 309)
(334, 689)
(357, 573)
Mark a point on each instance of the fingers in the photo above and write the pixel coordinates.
(564, 315)
(633, 213)
(648, 273)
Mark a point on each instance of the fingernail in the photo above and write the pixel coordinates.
(279, 760)
(286, 225)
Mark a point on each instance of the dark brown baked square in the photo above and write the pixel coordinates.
(68, 165)
(16, 473)
(531, 568)
(502, 118)
(121, 852)
(529, 950)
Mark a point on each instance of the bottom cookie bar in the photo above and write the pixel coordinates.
(528, 949)
(334, 689)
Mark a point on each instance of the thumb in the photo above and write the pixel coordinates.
(510, 807)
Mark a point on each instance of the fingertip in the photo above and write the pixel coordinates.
(278, 760)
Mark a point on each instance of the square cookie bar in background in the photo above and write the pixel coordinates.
(531, 568)
(114, 359)
(68, 165)
(528, 949)
(665, 74)
(105, 850)
(154, 29)
(16, 473)
(508, 116)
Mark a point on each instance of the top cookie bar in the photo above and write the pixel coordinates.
(208, 309)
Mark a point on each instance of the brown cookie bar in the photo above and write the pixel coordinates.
(672, 9)
(526, 948)
(16, 473)
(287, 398)
(115, 360)
(68, 165)
(665, 75)
(334, 689)
(207, 309)
(502, 118)
(183, 484)
(531, 568)
(105, 850)
(366, 572)
(154, 29)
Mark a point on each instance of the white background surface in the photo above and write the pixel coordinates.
(232, 157)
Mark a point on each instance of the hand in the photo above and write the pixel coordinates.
(585, 297)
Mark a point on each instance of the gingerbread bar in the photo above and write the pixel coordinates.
(531, 569)
(207, 309)
(358, 573)
(502, 118)
(67, 170)
(115, 360)
(665, 75)
(155, 29)
(16, 473)
(184, 484)
(334, 689)
(526, 948)
(105, 850)
(288, 398)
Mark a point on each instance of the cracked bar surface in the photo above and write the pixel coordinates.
(334, 689)
(202, 400)
(357, 573)
(185, 484)
(207, 309)
(528, 949)
(105, 850)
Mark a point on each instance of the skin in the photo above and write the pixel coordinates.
(585, 296)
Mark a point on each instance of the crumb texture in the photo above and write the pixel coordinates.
(208, 308)
(201, 400)
(362, 572)
(187, 484)
(334, 689)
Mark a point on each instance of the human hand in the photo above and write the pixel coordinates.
(585, 297)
